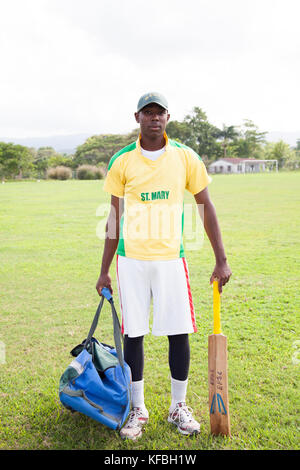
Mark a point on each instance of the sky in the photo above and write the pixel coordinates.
(73, 66)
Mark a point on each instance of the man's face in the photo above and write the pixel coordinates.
(153, 120)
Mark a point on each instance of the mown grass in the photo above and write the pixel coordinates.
(50, 258)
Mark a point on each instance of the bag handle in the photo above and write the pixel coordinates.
(105, 292)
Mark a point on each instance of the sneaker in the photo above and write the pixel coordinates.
(133, 428)
(182, 417)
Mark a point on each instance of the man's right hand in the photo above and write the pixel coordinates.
(104, 280)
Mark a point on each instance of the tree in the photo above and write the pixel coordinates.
(292, 161)
(196, 132)
(250, 143)
(283, 153)
(179, 131)
(227, 134)
(47, 157)
(202, 135)
(297, 151)
(100, 148)
(15, 160)
(60, 160)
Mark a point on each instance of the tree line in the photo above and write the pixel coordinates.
(209, 141)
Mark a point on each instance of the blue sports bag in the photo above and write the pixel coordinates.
(97, 383)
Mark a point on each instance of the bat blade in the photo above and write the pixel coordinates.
(218, 385)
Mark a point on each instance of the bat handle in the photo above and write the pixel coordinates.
(217, 308)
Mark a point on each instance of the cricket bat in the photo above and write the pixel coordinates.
(217, 373)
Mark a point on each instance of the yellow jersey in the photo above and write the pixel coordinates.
(151, 226)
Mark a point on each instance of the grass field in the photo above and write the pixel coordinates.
(50, 258)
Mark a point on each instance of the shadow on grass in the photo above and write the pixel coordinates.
(64, 430)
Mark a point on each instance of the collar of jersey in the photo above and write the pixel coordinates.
(147, 160)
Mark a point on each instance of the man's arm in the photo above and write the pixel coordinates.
(111, 243)
(221, 271)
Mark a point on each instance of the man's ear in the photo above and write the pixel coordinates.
(137, 117)
(168, 117)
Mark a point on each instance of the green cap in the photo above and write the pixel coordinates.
(153, 97)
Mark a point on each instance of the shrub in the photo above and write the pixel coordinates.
(59, 173)
(90, 172)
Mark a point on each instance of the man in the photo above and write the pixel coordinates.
(147, 180)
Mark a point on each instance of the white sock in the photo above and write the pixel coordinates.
(137, 397)
(178, 392)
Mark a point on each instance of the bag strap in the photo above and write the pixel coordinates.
(116, 325)
(94, 324)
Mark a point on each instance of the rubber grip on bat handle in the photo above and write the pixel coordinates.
(216, 308)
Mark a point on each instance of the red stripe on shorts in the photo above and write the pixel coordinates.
(190, 295)
(122, 327)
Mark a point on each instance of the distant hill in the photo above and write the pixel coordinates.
(60, 143)
(68, 143)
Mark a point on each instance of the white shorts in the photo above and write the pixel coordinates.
(167, 282)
